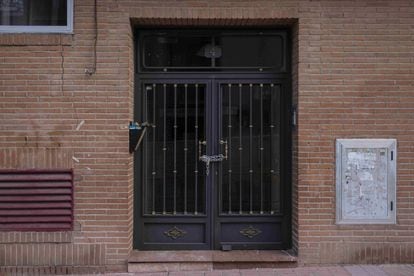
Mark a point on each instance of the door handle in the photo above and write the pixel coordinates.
(200, 145)
(213, 158)
(226, 148)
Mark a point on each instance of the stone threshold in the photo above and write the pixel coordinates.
(158, 261)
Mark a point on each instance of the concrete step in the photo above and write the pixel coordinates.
(163, 261)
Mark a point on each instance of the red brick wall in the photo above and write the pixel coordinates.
(355, 81)
(54, 115)
(353, 77)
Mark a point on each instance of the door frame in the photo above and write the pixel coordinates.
(211, 78)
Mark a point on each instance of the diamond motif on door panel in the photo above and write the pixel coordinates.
(175, 233)
(250, 232)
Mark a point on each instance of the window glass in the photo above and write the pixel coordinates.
(250, 51)
(176, 51)
(35, 15)
(213, 50)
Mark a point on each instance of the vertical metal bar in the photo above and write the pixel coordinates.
(145, 148)
(213, 59)
(221, 133)
(251, 149)
(185, 148)
(240, 150)
(271, 150)
(229, 141)
(175, 150)
(261, 148)
(195, 150)
(164, 148)
(154, 124)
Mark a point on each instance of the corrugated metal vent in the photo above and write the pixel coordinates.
(36, 200)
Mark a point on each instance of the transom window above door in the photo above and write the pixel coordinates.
(213, 50)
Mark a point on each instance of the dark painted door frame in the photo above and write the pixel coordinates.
(212, 220)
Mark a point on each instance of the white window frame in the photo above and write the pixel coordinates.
(391, 146)
(43, 29)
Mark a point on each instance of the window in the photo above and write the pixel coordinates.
(36, 16)
(174, 50)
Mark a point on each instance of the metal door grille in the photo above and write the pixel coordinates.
(173, 181)
(250, 123)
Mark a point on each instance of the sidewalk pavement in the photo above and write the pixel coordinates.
(344, 270)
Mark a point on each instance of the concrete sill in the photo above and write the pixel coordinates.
(156, 261)
(196, 256)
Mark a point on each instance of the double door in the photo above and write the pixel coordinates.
(213, 168)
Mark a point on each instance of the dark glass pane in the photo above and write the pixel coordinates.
(33, 12)
(250, 182)
(176, 51)
(250, 51)
(172, 183)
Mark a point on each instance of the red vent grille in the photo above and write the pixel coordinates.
(36, 200)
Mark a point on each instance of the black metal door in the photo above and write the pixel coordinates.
(250, 183)
(210, 165)
(174, 191)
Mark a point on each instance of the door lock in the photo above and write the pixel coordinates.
(212, 158)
